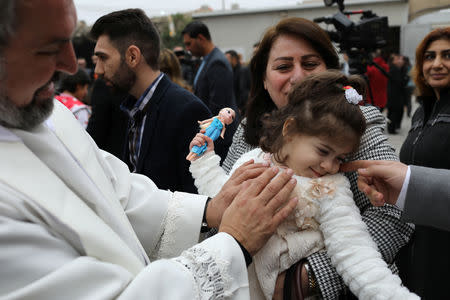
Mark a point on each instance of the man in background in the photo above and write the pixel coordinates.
(241, 80)
(163, 116)
(396, 92)
(213, 82)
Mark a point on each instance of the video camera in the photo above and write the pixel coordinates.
(185, 57)
(358, 40)
(188, 64)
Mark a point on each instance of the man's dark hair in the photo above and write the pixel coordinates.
(195, 28)
(130, 27)
(70, 82)
(233, 54)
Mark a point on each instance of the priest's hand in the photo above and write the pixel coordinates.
(259, 207)
(222, 200)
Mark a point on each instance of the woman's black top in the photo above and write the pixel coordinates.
(425, 262)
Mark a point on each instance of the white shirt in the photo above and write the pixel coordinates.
(402, 196)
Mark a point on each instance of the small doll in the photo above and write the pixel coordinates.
(213, 127)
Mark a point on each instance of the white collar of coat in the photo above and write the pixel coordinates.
(6, 135)
(102, 243)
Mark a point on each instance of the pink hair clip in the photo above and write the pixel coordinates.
(352, 95)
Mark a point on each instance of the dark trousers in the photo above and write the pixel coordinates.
(395, 115)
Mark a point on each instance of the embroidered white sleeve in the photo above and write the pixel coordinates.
(210, 275)
(166, 243)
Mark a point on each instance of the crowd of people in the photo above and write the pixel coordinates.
(390, 85)
(300, 197)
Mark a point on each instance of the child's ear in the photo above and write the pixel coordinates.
(287, 123)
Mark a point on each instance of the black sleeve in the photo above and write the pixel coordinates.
(220, 86)
(98, 125)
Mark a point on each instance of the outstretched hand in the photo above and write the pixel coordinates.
(259, 207)
(380, 180)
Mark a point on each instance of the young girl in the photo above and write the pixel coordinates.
(312, 135)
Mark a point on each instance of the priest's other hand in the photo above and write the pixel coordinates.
(259, 207)
(222, 200)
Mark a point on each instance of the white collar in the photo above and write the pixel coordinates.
(7, 135)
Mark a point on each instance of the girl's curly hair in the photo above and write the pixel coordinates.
(317, 106)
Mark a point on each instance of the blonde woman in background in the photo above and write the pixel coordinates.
(170, 65)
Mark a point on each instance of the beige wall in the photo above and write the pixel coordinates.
(240, 30)
(418, 8)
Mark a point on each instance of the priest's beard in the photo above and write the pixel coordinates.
(27, 117)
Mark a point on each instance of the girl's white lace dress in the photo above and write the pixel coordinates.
(326, 219)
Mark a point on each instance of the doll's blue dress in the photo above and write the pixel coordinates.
(213, 131)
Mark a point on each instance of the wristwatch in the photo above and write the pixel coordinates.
(205, 227)
(313, 287)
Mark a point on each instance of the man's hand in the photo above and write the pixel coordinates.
(380, 180)
(222, 200)
(259, 207)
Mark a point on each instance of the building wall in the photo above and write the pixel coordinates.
(240, 30)
(413, 33)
